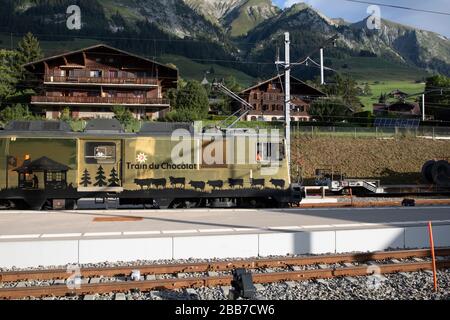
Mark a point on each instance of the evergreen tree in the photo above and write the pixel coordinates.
(29, 49)
(86, 178)
(100, 178)
(113, 178)
(9, 74)
(382, 98)
(367, 90)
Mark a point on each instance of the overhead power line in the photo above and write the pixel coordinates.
(399, 7)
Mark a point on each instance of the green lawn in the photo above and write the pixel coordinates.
(377, 69)
(378, 88)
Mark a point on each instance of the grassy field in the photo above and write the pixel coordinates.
(396, 161)
(377, 69)
(386, 86)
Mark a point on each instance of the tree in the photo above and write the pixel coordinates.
(16, 112)
(191, 103)
(367, 90)
(330, 109)
(113, 178)
(9, 75)
(346, 88)
(437, 101)
(29, 49)
(100, 178)
(86, 178)
(123, 114)
(382, 98)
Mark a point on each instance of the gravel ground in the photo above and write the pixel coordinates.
(414, 286)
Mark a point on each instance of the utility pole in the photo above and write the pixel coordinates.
(322, 74)
(287, 93)
(423, 107)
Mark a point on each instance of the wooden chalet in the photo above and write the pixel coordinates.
(91, 81)
(267, 99)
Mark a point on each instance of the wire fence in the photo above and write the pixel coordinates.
(435, 133)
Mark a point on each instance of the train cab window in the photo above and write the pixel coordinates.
(100, 152)
(268, 152)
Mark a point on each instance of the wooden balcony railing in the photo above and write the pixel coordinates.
(99, 80)
(100, 100)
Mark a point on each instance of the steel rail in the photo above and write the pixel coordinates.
(50, 274)
(171, 284)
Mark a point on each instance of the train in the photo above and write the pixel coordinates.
(45, 164)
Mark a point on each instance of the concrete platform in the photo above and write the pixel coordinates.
(29, 239)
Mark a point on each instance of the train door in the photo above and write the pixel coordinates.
(100, 166)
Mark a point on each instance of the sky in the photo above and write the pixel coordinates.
(354, 12)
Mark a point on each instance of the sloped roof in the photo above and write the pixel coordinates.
(97, 47)
(43, 164)
(296, 85)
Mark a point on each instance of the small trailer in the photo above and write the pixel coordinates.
(338, 183)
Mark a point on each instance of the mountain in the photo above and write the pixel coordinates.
(214, 10)
(248, 15)
(237, 17)
(393, 42)
(230, 33)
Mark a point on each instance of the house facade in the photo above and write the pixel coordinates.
(91, 81)
(267, 99)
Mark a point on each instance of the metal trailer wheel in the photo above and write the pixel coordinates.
(441, 173)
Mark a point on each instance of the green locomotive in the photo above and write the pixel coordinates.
(165, 165)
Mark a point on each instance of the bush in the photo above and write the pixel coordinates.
(330, 109)
(16, 112)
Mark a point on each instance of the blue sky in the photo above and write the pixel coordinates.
(355, 12)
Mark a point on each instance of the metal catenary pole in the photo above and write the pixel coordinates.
(287, 95)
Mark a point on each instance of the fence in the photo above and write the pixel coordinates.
(373, 132)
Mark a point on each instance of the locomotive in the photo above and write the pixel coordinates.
(44, 164)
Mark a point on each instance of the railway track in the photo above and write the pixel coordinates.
(219, 273)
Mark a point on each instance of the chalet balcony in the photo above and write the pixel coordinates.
(50, 79)
(100, 101)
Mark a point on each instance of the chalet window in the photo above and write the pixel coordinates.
(54, 176)
(142, 74)
(255, 95)
(113, 74)
(100, 152)
(96, 74)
